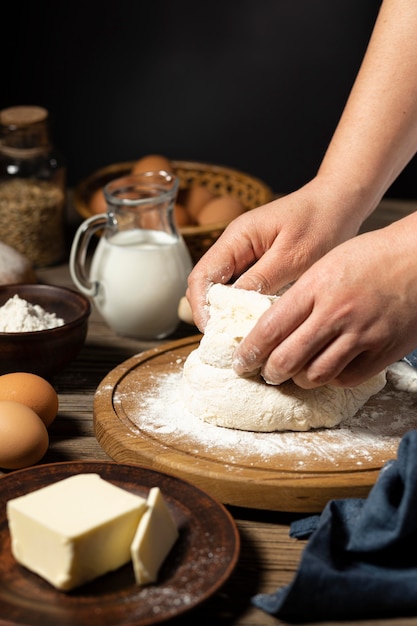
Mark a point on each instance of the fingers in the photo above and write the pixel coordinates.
(303, 336)
(312, 354)
(269, 346)
(228, 257)
(332, 364)
(245, 251)
(198, 306)
(266, 275)
(348, 315)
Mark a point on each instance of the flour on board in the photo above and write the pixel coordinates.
(159, 413)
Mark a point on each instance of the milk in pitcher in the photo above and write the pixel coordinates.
(141, 280)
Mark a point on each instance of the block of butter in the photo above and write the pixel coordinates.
(74, 530)
(156, 534)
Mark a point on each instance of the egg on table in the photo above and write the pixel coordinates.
(33, 391)
(28, 405)
(24, 438)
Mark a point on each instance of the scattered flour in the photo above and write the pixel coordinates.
(366, 439)
(17, 315)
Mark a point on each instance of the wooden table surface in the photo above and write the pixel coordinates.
(269, 557)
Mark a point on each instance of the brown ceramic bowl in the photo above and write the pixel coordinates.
(45, 352)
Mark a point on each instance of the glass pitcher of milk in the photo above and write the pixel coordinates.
(138, 271)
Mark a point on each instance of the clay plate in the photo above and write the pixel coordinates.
(199, 563)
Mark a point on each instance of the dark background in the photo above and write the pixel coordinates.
(254, 84)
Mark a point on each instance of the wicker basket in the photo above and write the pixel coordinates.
(220, 180)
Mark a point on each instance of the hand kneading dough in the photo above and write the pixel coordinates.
(214, 393)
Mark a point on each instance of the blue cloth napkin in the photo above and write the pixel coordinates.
(411, 359)
(361, 558)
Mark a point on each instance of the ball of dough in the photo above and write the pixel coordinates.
(213, 392)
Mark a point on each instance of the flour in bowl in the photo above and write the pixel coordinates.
(17, 315)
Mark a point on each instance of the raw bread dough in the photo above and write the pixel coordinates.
(213, 392)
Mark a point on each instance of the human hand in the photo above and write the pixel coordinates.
(346, 318)
(271, 246)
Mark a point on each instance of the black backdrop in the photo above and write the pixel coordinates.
(253, 84)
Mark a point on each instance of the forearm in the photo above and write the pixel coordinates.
(377, 134)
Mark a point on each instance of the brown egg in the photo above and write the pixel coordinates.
(33, 391)
(152, 163)
(184, 311)
(181, 215)
(23, 436)
(98, 202)
(220, 209)
(197, 196)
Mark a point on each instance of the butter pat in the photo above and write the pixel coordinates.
(74, 530)
(155, 536)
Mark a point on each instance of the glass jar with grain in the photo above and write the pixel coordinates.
(32, 186)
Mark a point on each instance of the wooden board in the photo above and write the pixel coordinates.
(139, 419)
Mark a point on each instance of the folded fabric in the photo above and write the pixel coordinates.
(411, 359)
(361, 558)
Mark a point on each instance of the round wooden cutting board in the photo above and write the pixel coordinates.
(139, 419)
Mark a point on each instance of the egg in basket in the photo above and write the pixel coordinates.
(209, 197)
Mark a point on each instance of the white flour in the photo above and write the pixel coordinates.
(17, 315)
(158, 413)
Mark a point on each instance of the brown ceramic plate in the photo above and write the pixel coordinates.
(199, 563)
